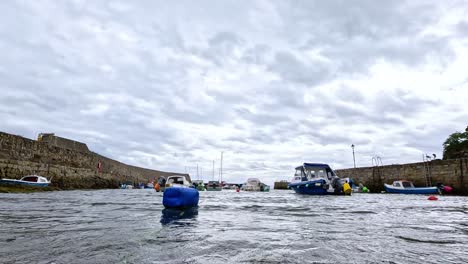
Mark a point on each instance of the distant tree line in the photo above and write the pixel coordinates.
(456, 145)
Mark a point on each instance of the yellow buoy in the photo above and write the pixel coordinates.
(346, 188)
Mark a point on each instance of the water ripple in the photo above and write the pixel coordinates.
(131, 226)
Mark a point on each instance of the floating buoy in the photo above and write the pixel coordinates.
(432, 198)
(237, 190)
(180, 197)
(157, 187)
(448, 189)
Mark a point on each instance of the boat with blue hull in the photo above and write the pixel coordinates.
(318, 179)
(407, 187)
(30, 180)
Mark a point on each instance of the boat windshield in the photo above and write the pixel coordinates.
(30, 179)
(299, 175)
(316, 173)
(176, 180)
(407, 184)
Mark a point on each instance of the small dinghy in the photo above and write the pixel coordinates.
(407, 187)
(30, 180)
(179, 193)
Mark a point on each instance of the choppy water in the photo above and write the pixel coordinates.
(130, 226)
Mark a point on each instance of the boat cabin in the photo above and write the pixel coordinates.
(403, 184)
(35, 178)
(177, 180)
(214, 183)
(313, 171)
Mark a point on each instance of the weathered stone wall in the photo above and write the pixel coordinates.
(71, 169)
(53, 140)
(449, 172)
(281, 185)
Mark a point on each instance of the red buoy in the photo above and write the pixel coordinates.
(237, 190)
(448, 189)
(432, 198)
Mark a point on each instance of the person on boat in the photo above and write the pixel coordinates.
(351, 183)
(335, 183)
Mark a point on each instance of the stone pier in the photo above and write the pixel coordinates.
(70, 163)
(448, 172)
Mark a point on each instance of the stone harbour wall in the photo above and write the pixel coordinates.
(281, 185)
(70, 168)
(452, 172)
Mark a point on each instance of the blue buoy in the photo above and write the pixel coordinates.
(180, 197)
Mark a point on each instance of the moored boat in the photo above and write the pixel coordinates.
(318, 179)
(255, 185)
(30, 180)
(407, 187)
(160, 184)
(213, 186)
(199, 185)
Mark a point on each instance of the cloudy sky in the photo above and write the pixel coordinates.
(170, 84)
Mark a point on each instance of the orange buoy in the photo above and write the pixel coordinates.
(157, 187)
(432, 198)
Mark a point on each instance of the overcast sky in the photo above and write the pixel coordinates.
(170, 84)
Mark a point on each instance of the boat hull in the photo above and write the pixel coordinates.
(213, 188)
(180, 197)
(310, 187)
(415, 190)
(23, 183)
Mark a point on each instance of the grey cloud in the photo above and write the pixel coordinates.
(258, 54)
(462, 28)
(291, 68)
(261, 119)
(130, 79)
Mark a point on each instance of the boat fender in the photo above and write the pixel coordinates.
(433, 198)
(307, 185)
(447, 189)
(346, 188)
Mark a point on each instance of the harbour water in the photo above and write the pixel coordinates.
(131, 226)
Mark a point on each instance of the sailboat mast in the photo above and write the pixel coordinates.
(221, 168)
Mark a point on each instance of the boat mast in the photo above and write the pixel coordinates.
(213, 170)
(221, 168)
